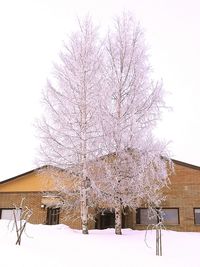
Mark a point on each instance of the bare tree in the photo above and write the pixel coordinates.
(157, 215)
(70, 135)
(129, 111)
(21, 215)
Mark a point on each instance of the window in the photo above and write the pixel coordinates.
(196, 215)
(53, 216)
(7, 214)
(170, 216)
(142, 217)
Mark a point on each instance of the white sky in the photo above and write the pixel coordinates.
(31, 35)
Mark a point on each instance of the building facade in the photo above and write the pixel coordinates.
(181, 210)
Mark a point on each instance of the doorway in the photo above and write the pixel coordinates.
(53, 216)
(106, 219)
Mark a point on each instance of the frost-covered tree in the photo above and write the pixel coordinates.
(69, 129)
(135, 170)
(101, 106)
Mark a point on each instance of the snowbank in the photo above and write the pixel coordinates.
(60, 246)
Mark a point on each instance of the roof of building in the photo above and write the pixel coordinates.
(186, 164)
(48, 166)
(23, 174)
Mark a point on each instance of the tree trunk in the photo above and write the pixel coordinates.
(118, 220)
(158, 242)
(84, 210)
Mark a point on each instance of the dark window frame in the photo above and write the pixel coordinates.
(138, 215)
(198, 224)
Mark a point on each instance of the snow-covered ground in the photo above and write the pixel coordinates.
(60, 246)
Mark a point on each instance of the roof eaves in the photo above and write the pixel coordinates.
(186, 164)
(23, 174)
